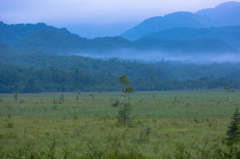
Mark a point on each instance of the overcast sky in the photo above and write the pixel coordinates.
(90, 13)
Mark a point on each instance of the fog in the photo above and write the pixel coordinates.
(129, 54)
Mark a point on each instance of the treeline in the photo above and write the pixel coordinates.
(39, 59)
(164, 69)
(152, 83)
(30, 80)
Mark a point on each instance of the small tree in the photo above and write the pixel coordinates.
(125, 112)
(233, 132)
(233, 137)
(16, 96)
(92, 95)
(128, 89)
(78, 95)
(154, 96)
(123, 80)
(229, 90)
(116, 103)
(62, 97)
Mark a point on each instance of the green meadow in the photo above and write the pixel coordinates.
(167, 124)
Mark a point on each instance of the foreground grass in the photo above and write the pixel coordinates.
(194, 123)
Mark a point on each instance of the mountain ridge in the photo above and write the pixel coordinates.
(229, 34)
(14, 32)
(49, 40)
(201, 19)
(206, 45)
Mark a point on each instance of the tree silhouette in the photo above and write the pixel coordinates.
(229, 90)
(233, 132)
(124, 81)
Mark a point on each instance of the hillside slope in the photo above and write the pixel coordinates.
(48, 40)
(208, 45)
(225, 14)
(14, 32)
(229, 34)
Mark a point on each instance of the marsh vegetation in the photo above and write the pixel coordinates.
(170, 124)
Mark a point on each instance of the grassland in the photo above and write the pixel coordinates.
(166, 125)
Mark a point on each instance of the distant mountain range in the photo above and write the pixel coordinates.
(225, 14)
(187, 40)
(48, 40)
(177, 32)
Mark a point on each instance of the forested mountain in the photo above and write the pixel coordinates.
(226, 14)
(229, 34)
(62, 41)
(207, 45)
(48, 40)
(177, 19)
(12, 33)
(196, 40)
(3, 45)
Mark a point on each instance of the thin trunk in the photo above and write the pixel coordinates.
(122, 96)
(230, 97)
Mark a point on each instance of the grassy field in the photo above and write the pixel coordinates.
(166, 124)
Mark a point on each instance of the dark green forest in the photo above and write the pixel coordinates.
(37, 71)
(30, 80)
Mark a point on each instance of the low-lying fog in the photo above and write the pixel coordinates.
(158, 55)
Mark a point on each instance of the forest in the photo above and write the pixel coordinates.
(37, 71)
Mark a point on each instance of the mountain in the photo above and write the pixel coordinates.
(3, 45)
(208, 45)
(172, 40)
(49, 40)
(178, 19)
(226, 14)
(229, 34)
(14, 32)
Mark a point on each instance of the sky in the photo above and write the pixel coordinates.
(95, 18)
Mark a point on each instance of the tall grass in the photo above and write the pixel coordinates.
(164, 127)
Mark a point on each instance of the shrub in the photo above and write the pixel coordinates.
(116, 103)
(134, 154)
(124, 113)
(9, 125)
(94, 152)
(22, 100)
